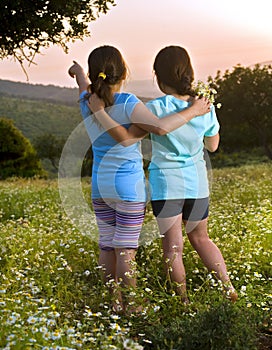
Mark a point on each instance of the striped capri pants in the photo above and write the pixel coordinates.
(119, 223)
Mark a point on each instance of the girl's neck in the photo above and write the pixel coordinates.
(181, 97)
(170, 91)
(116, 88)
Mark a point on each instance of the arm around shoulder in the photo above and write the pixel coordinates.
(125, 137)
(148, 121)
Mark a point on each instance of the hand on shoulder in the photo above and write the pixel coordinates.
(95, 103)
(201, 105)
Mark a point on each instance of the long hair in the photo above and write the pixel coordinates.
(173, 68)
(106, 68)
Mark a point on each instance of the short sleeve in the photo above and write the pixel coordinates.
(150, 105)
(213, 127)
(83, 93)
(131, 103)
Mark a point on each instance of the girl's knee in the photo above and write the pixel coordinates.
(126, 253)
(173, 249)
(199, 240)
(105, 248)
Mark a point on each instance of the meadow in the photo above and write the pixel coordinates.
(51, 295)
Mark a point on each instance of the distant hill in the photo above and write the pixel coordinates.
(64, 95)
(51, 93)
(40, 109)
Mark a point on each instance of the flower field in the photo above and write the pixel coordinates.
(51, 296)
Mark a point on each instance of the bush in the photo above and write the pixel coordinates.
(17, 156)
(222, 159)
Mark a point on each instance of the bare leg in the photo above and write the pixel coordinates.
(124, 266)
(126, 274)
(107, 261)
(172, 243)
(209, 253)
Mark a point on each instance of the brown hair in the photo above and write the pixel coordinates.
(173, 68)
(106, 67)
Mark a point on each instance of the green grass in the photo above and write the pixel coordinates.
(51, 295)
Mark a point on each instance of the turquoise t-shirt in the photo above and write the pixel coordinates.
(117, 170)
(177, 169)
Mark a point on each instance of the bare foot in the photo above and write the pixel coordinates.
(117, 307)
(185, 300)
(230, 292)
(134, 310)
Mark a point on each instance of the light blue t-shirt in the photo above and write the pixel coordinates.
(178, 169)
(117, 170)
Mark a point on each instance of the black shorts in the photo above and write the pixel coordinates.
(191, 209)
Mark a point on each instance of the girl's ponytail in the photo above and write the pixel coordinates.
(102, 89)
(106, 69)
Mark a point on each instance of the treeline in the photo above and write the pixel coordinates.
(246, 113)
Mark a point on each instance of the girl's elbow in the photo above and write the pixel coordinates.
(159, 131)
(212, 148)
(212, 143)
(126, 143)
(129, 142)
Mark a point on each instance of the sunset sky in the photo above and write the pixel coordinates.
(217, 34)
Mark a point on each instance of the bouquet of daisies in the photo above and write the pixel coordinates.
(205, 90)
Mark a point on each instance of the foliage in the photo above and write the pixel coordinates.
(47, 125)
(220, 327)
(17, 156)
(51, 294)
(49, 147)
(221, 159)
(27, 26)
(87, 163)
(246, 115)
(35, 118)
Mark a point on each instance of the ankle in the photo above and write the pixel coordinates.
(230, 292)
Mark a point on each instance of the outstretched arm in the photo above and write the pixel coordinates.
(76, 71)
